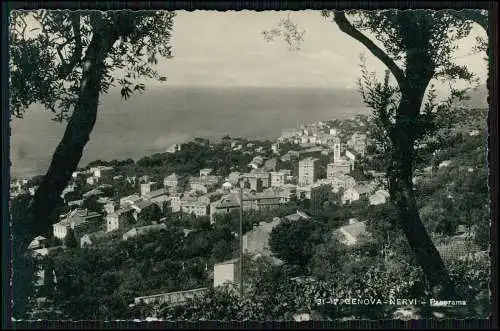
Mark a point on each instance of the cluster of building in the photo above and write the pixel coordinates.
(210, 195)
(324, 133)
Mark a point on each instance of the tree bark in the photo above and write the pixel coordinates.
(69, 151)
(413, 83)
(401, 191)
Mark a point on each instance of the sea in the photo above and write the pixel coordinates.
(160, 117)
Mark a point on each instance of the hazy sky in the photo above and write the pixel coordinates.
(213, 48)
(228, 48)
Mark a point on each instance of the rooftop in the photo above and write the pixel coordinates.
(97, 234)
(309, 159)
(131, 197)
(172, 176)
(353, 231)
(297, 216)
(155, 193)
(124, 210)
(143, 204)
(232, 261)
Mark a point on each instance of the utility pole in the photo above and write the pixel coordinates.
(241, 242)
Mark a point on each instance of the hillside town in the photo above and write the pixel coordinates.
(322, 158)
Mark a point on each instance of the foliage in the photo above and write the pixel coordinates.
(290, 32)
(294, 241)
(149, 215)
(91, 204)
(326, 262)
(70, 240)
(189, 160)
(23, 266)
(473, 278)
(121, 271)
(47, 62)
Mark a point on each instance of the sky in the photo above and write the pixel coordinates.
(214, 48)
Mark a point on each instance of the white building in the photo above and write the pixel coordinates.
(174, 148)
(103, 172)
(275, 148)
(350, 156)
(115, 220)
(349, 234)
(342, 166)
(148, 187)
(92, 180)
(308, 171)
(196, 207)
(130, 200)
(226, 272)
(277, 179)
(379, 197)
(171, 182)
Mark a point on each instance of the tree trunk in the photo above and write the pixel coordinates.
(401, 191)
(69, 151)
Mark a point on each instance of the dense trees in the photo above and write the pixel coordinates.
(22, 264)
(294, 241)
(417, 49)
(149, 215)
(91, 204)
(79, 53)
(70, 240)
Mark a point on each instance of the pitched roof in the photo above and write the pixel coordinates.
(131, 197)
(353, 231)
(297, 216)
(172, 176)
(155, 193)
(235, 260)
(228, 201)
(93, 192)
(364, 189)
(142, 204)
(124, 210)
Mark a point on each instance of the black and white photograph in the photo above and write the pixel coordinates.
(310, 165)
